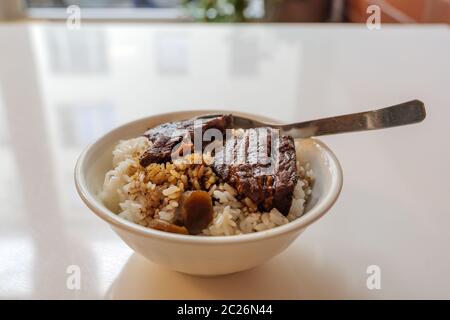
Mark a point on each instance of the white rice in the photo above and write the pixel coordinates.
(126, 193)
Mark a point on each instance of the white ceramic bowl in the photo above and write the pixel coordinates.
(201, 255)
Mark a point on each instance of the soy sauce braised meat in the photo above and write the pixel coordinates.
(166, 136)
(269, 184)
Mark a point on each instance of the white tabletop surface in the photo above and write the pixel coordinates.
(61, 89)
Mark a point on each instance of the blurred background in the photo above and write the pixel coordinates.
(395, 11)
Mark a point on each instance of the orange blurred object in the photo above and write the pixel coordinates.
(401, 11)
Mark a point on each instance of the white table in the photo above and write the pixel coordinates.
(61, 89)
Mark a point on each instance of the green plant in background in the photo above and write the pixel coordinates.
(217, 10)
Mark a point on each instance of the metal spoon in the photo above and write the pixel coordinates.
(398, 115)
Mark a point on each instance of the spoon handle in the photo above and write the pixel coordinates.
(398, 115)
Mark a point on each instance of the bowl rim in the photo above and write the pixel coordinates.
(114, 220)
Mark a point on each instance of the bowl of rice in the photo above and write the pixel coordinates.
(142, 203)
